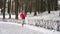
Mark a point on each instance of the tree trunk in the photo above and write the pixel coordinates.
(12, 7)
(41, 9)
(56, 4)
(38, 7)
(9, 9)
(35, 8)
(22, 5)
(4, 5)
(35, 13)
(1, 5)
(16, 9)
(48, 6)
(26, 7)
(30, 6)
(51, 3)
(30, 9)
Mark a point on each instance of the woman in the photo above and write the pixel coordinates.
(23, 15)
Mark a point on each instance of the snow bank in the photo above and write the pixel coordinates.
(50, 21)
(13, 28)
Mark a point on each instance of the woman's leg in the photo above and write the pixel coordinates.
(23, 22)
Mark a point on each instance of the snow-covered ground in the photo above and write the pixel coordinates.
(11, 26)
(14, 28)
(50, 21)
(54, 16)
(46, 16)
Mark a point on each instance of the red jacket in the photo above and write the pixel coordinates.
(23, 15)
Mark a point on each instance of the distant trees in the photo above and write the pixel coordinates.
(28, 6)
(40, 6)
(52, 5)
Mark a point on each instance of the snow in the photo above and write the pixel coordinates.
(45, 15)
(7, 27)
(51, 21)
(59, 2)
(54, 15)
(14, 28)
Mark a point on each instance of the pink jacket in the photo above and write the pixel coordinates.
(23, 15)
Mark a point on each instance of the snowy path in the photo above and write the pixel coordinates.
(14, 28)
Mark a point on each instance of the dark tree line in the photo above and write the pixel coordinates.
(29, 6)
